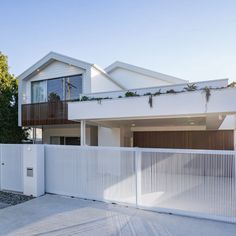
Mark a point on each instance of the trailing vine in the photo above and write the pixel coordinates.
(208, 93)
(150, 101)
(131, 94)
(190, 87)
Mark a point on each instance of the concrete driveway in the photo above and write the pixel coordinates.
(57, 215)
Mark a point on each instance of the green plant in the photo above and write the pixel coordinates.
(131, 94)
(157, 93)
(10, 132)
(171, 91)
(190, 87)
(53, 97)
(84, 98)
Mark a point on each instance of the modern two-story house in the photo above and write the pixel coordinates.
(78, 103)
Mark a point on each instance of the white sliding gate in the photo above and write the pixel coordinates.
(11, 168)
(188, 182)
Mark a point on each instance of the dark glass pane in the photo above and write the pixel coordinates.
(55, 90)
(62, 140)
(72, 140)
(73, 87)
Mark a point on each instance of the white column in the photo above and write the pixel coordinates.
(33, 170)
(82, 132)
(34, 135)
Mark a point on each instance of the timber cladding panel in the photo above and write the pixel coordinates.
(214, 140)
(46, 113)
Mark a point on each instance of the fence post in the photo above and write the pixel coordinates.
(33, 170)
(138, 173)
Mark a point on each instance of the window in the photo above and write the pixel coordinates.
(73, 87)
(38, 91)
(61, 140)
(55, 90)
(59, 89)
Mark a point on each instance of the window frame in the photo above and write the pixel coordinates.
(46, 87)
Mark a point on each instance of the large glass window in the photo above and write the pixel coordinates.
(60, 89)
(38, 91)
(55, 89)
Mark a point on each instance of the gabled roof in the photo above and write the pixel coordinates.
(140, 70)
(49, 58)
(53, 56)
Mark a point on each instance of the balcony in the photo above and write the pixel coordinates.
(48, 113)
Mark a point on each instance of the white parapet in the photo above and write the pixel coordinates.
(33, 170)
(166, 105)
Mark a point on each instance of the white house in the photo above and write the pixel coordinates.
(75, 102)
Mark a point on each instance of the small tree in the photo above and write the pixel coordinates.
(10, 132)
(53, 97)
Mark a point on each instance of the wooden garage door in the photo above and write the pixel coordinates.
(215, 140)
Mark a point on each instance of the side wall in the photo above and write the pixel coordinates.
(133, 80)
(101, 83)
(109, 137)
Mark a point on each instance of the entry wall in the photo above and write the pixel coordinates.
(109, 137)
(214, 140)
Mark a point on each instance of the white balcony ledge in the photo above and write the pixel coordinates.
(221, 101)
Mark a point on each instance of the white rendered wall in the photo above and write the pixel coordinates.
(132, 80)
(101, 83)
(109, 137)
(57, 69)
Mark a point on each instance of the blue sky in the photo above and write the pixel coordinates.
(194, 40)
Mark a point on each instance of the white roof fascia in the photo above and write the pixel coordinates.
(48, 59)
